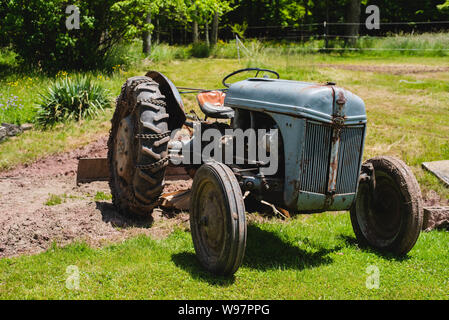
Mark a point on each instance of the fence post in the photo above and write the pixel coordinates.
(325, 35)
(237, 44)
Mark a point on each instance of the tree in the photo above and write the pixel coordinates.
(138, 16)
(219, 9)
(204, 12)
(147, 36)
(37, 31)
(353, 20)
(444, 7)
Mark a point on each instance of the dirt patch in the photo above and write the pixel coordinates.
(29, 225)
(390, 69)
(431, 199)
(60, 164)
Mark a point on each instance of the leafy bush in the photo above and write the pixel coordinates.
(200, 50)
(124, 54)
(37, 31)
(69, 99)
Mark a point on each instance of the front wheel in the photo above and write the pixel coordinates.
(217, 219)
(388, 212)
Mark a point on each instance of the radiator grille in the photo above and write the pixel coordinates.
(316, 158)
(315, 162)
(349, 159)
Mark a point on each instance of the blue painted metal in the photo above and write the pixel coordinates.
(295, 98)
(323, 130)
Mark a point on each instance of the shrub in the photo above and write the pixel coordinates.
(123, 54)
(200, 50)
(37, 31)
(69, 99)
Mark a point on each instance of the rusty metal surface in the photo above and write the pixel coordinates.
(179, 200)
(440, 169)
(92, 169)
(97, 169)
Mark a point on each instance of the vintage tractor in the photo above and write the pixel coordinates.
(321, 130)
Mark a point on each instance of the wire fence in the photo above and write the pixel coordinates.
(331, 34)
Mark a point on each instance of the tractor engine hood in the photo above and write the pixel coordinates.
(324, 103)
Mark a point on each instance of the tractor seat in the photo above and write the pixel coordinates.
(212, 104)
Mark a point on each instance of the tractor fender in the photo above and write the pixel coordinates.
(175, 107)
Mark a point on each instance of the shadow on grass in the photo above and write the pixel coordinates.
(264, 251)
(110, 215)
(188, 262)
(351, 241)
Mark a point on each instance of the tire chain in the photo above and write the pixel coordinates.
(156, 164)
(153, 136)
(128, 193)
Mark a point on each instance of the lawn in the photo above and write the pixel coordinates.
(308, 257)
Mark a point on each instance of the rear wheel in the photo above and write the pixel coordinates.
(388, 211)
(217, 219)
(137, 146)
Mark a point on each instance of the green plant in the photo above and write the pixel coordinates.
(38, 33)
(164, 52)
(71, 99)
(240, 29)
(200, 50)
(124, 54)
(10, 109)
(102, 196)
(53, 200)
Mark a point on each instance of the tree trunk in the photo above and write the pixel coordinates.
(215, 23)
(195, 32)
(306, 19)
(207, 33)
(147, 37)
(195, 28)
(158, 32)
(352, 17)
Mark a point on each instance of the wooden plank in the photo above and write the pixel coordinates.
(439, 169)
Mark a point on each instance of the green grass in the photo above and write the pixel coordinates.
(310, 257)
(102, 196)
(53, 200)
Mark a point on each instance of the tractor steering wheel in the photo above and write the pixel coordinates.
(245, 70)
